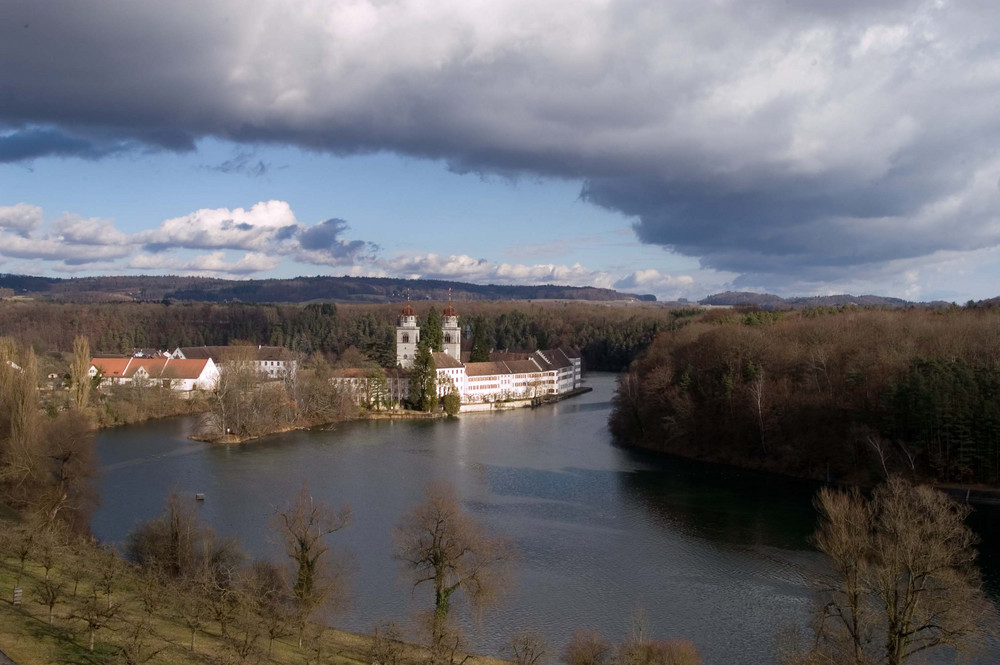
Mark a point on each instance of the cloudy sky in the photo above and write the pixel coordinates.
(674, 147)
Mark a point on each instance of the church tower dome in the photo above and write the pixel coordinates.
(451, 333)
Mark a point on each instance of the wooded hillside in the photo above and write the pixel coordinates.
(848, 395)
(609, 337)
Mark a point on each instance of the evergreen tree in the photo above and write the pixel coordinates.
(423, 379)
(480, 342)
(431, 331)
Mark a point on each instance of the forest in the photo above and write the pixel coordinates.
(609, 337)
(130, 288)
(844, 395)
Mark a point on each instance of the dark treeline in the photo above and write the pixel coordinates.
(128, 288)
(847, 395)
(609, 337)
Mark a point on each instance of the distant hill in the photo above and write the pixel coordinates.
(294, 290)
(773, 302)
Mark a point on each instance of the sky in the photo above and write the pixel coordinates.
(672, 147)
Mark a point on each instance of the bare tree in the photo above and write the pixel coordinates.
(79, 372)
(48, 592)
(20, 424)
(192, 607)
(273, 600)
(110, 569)
(67, 467)
(587, 647)
(440, 544)
(527, 648)
(21, 542)
(133, 645)
(303, 527)
(386, 646)
(96, 614)
(172, 543)
(904, 579)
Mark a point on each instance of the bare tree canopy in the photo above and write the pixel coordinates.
(318, 580)
(79, 372)
(904, 578)
(440, 544)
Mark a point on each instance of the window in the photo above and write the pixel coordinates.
(406, 338)
(447, 339)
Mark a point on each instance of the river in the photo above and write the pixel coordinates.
(709, 554)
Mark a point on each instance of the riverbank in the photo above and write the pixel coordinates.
(973, 494)
(144, 621)
(390, 414)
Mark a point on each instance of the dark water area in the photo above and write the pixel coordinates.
(711, 554)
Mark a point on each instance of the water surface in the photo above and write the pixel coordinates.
(710, 554)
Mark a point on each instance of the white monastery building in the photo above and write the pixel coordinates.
(507, 377)
(181, 375)
(274, 362)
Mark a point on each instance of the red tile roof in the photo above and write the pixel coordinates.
(111, 366)
(156, 368)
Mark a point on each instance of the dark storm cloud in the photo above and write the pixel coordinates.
(760, 137)
(325, 236)
(25, 144)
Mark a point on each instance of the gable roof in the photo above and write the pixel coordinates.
(486, 369)
(222, 353)
(184, 369)
(444, 361)
(156, 368)
(114, 367)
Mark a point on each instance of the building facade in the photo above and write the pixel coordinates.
(507, 377)
(183, 375)
(274, 362)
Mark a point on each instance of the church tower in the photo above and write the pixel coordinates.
(451, 333)
(407, 336)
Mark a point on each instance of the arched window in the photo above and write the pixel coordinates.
(447, 339)
(406, 338)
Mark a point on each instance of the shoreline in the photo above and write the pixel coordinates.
(387, 414)
(972, 494)
(400, 414)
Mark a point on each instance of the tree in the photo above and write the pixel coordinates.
(192, 607)
(587, 647)
(96, 614)
(170, 543)
(431, 331)
(452, 402)
(20, 423)
(527, 648)
(904, 579)
(48, 592)
(267, 585)
(423, 379)
(79, 372)
(440, 544)
(303, 527)
(386, 645)
(378, 389)
(67, 468)
(480, 341)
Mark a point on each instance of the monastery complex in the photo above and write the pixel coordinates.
(505, 378)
